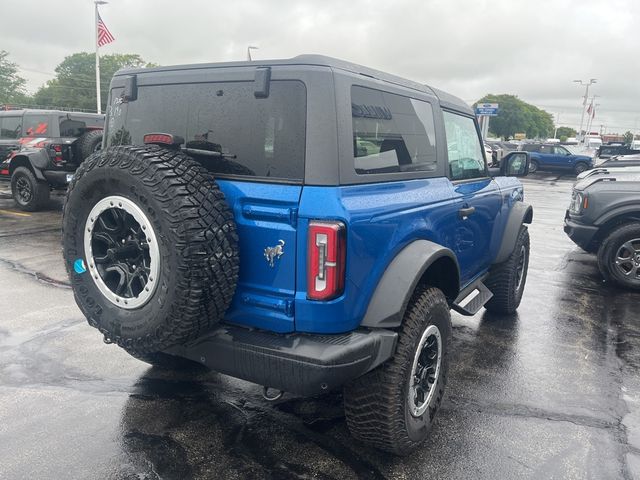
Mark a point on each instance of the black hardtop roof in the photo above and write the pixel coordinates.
(316, 60)
(48, 112)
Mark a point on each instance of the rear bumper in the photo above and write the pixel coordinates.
(582, 235)
(56, 178)
(303, 364)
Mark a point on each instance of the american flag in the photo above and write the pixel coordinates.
(104, 35)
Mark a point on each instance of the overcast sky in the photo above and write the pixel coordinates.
(533, 49)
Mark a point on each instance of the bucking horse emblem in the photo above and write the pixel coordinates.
(274, 253)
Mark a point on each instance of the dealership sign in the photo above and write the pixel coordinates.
(489, 109)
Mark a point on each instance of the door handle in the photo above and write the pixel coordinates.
(465, 212)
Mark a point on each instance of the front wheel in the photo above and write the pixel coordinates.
(619, 256)
(507, 279)
(28, 192)
(579, 168)
(394, 406)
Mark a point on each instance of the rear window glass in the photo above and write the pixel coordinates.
(76, 126)
(36, 126)
(10, 127)
(245, 135)
(391, 133)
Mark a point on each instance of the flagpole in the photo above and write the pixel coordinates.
(98, 99)
(98, 96)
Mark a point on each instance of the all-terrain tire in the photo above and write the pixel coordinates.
(377, 404)
(507, 280)
(196, 240)
(29, 193)
(608, 253)
(88, 144)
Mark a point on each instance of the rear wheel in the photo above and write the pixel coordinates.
(394, 406)
(150, 246)
(533, 166)
(28, 192)
(619, 256)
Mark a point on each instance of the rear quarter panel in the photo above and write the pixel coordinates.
(381, 219)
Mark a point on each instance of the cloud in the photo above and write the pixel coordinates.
(469, 48)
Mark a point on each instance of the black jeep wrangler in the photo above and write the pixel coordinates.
(41, 149)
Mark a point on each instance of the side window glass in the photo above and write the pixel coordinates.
(391, 133)
(36, 125)
(10, 127)
(463, 146)
(561, 151)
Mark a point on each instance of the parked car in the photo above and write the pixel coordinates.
(304, 224)
(604, 218)
(608, 151)
(611, 168)
(40, 150)
(546, 156)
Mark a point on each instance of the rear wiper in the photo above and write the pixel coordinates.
(208, 153)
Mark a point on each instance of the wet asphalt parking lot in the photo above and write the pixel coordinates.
(552, 392)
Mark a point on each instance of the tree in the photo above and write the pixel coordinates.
(517, 116)
(11, 84)
(75, 83)
(628, 138)
(566, 132)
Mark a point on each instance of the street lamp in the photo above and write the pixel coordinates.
(584, 101)
(249, 48)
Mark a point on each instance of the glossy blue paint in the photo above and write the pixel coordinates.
(264, 214)
(381, 219)
(476, 234)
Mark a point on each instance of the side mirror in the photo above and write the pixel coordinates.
(515, 164)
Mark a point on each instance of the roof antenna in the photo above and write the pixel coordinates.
(249, 48)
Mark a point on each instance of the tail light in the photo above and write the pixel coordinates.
(55, 152)
(326, 260)
(163, 139)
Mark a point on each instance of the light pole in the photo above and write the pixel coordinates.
(98, 99)
(249, 48)
(584, 101)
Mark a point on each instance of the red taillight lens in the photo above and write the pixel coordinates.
(56, 154)
(326, 260)
(163, 138)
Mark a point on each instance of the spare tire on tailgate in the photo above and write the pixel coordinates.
(88, 143)
(150, 246)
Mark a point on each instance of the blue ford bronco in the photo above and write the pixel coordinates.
(303, 224)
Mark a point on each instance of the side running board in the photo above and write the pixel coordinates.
(469, 302)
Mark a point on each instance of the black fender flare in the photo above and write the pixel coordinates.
(621, 210)
(519, 214)
(36, 160)
(400, 279)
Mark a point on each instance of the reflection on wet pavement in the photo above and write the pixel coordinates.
(551, 392)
